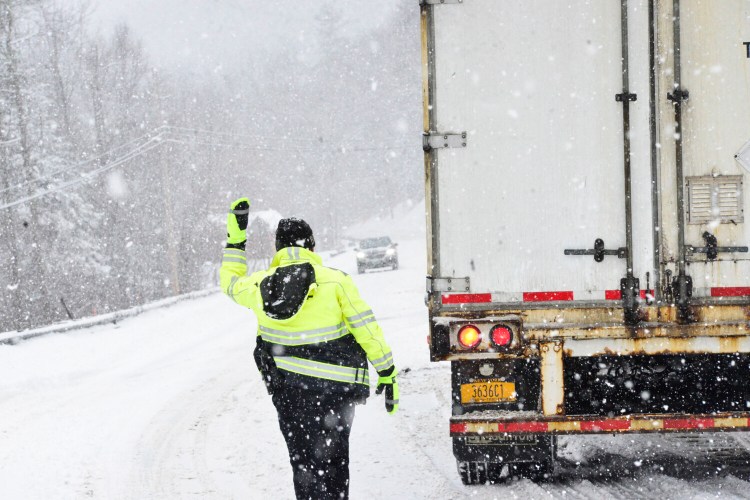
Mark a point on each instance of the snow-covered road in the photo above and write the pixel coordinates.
(169, 405)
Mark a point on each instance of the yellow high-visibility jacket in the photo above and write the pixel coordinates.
(318, 329)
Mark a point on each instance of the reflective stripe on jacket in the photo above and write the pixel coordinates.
(326, 343)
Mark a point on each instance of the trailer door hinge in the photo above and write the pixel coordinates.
(438, 2)
(436, 140)
(462, 285)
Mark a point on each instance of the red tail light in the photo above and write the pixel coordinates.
(469, 336)
(501, 335)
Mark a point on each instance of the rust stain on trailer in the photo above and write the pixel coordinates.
(671, 346)
(729, 344)
(720, 313)
(663, 345)
(424, 24)
(535, 333)
(722, 328)
(551, 375)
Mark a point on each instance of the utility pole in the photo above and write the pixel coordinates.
(172, 257)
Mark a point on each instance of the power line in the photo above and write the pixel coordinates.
(146, 138)
(88, 176)
(286, 149)
(155, 138)
(349, 144)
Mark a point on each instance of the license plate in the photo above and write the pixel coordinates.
(488, 391)
(502, 440)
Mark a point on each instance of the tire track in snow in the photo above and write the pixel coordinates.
(398, 447)
(171, 458)
(666, 474)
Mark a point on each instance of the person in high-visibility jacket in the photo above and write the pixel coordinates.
(315, 337)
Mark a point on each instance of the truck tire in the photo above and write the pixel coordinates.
(472, 472)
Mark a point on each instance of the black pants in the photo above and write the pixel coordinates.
(316, 428)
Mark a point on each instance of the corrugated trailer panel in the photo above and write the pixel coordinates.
(533, 85)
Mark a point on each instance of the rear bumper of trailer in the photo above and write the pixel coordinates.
(464, 426)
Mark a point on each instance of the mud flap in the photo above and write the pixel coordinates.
(483, 457)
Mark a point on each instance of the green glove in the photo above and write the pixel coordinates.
(387, 381)
(237, 222)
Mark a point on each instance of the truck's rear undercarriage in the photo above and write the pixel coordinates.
(579, 371)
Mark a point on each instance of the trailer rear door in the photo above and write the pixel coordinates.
(714, 69)
(533, 83)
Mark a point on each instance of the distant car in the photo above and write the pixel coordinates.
(376, 252)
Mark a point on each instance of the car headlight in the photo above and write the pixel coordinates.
(390, 251)
(360, 255)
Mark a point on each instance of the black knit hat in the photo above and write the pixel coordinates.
(293, 232)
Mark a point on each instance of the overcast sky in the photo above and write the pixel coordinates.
(214, 33)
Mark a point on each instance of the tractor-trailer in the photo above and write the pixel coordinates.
(588, 266)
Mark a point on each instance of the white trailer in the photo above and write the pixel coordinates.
(588, 253)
